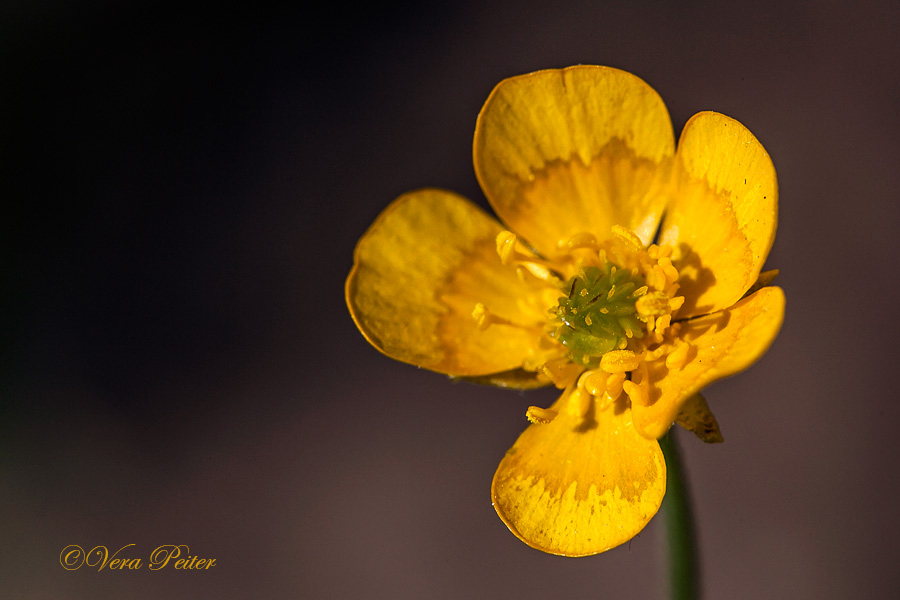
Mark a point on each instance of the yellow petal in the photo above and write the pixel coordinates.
(580, 485)
(561, 152)
(418, 273)
(722, 218)
(724, 343)
(765, 279)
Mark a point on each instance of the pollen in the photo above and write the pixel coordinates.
(620, 361)
(540, 416)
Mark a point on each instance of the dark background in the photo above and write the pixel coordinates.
(183, 190)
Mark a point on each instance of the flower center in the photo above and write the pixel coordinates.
(614, 317)
(598, 313)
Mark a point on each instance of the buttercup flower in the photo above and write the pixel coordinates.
(626, 273)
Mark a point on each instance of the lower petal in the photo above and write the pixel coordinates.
(581, 484)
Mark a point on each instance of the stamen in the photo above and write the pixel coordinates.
(540, 416)
(628, 236)
(663, 323)
(506, 248)
(670, 271)
(678, 357)
(579, 240)
(579, 402)
(485, 318)
(653, 304)
(656, 278)
(614, 385)
(561, 371)
(657, 353)
(636, 393)
(619, 361)
(594, 382)
(539, 271)
(506, 245)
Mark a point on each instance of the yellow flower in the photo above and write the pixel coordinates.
(581, 167)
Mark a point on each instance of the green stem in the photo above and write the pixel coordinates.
(683, 569)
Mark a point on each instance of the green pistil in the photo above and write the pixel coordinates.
(597, 313)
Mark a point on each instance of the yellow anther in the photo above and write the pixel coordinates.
(653, 304)
(614, 385)
(594, 382)
(628, 236)
(579, 240)
(639, 292)
(656, 278)
(484, 318)
(506, 246)
(620, 361)
(480, 314)
(675, 303)
(669, 270)
(636, 393)
(653, 251)
(678, 357)
(561, 371)
(579, 402)
(539, 271)
(663, 323)
(652, 355)
(540, 416)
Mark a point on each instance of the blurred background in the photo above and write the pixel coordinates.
(183, 192)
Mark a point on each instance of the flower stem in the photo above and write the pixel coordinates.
(683, 569)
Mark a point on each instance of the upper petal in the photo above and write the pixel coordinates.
(559, 152)
(419, 271)
(724, 343)
(722, 217)
(580, 485)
